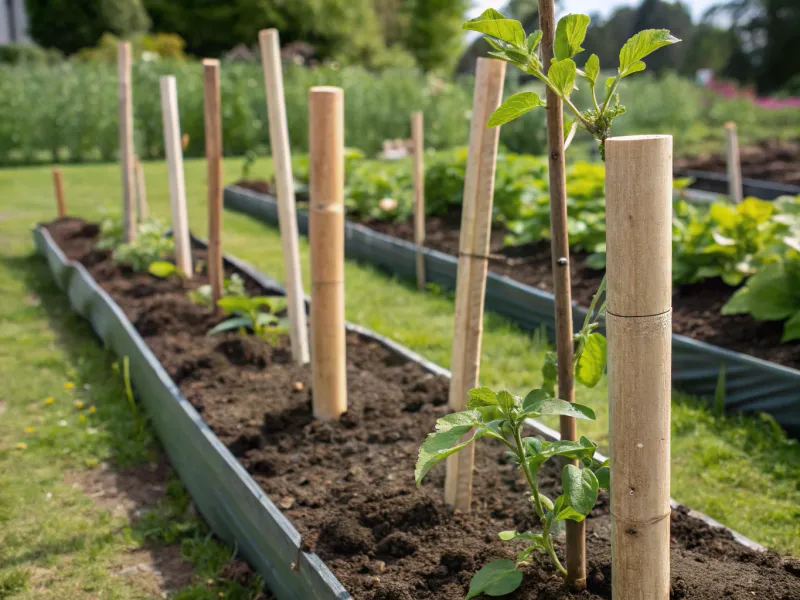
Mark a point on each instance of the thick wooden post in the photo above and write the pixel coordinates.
(126, 139)
(142, 208)
(476, 224)
(287, 217)
(418, 156)
(177, 184)
(326, 234)
(61, 205)
(639, 324)
(213, 123)
(734, 163)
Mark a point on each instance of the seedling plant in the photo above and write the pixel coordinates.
(246, 313)
(150, 245)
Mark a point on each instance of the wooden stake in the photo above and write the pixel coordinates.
(213, 123)
(61, 205)
(734, 163)
(476, 224)
(177, 184)
(326, 234)
(126, 139)
(418, 151)
(562, 286)
(142, 208)
(287, 218)
(639, 324)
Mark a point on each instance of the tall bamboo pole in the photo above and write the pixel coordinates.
(61, 205)
(559, 248)
(126, 139)
(142, 208)
(177, 183)
(287, 217)
(734, 163)
(213, 123)
(476, 224)
(326, 235)
(639, 319)
(418, 157)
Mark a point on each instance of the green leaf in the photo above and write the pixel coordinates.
(592, 68)
(234, 323)
(550, 370)
(639, 46)
(507, 536)
(603, 475)
(163, 269)
(481, 396)
(592, 361)
(232, 304)
(554, 406)
(442, 443)
(533, 40)
(585, 448)
(533, 398)
(635, 68)
(514, 106)
(494, 24)
(568, 513)
(562, 75)
(580, 488)
(769, 295)
(508, 402)
(498, 578)
(570, 33)
(610, 82)
(791, 329)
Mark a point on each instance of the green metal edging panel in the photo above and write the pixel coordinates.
(751, 385)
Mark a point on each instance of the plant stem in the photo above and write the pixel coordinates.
(537, 501)
(610, 94)
(548, 541)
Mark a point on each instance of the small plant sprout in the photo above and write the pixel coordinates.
(164, 269)
(246, 313)
(510, 44)
(233, 287)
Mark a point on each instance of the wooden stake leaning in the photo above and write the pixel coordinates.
(287, 217)
(126, 139)
(733, 162)
(213, 124)
(476, 222)
(326, 234)
(177, 184)
(417, 139)
(639, 325)
(142, 208)
(61, 205)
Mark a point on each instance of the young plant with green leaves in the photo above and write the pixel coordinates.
(150, 245)
(510, 44)
(246, 313)
(233, 287)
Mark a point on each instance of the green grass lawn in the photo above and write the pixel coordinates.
(740, 470)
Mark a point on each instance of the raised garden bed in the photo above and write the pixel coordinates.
(346, 485)
(766, 382)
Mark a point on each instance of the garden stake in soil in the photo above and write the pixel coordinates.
(326, 234)
(562, 287)
(284, 181)
(126, 140)
(61, 205)
(639, 324)
(476, 223)
(142, 208)
(177, 183)
(734, 162)
(418, 143)
(213, 122)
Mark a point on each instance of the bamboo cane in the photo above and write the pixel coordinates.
(213, 125)
(287, 218)
(126, 139)
(177, 184)
(418, 145)
(562, 286)
(326, 234)
(61, 205)
(733, 162)
(639, 242)
(476, 223)
(142, 208)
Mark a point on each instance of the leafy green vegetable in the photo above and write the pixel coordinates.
(247, 314)
(150, 245)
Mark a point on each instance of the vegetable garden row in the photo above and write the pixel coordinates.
(264, 427)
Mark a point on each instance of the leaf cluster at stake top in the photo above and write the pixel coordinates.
(510, 44)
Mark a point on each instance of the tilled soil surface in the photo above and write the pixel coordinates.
(348, 485)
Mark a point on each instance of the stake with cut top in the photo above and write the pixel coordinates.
(476, 223)
(126, 140)
(639, 324)
(61, 205)
(213, 125)
(733, 162)
(418, 150)
(177, 184)
(142, 208)
(287, 217)
(326, 235)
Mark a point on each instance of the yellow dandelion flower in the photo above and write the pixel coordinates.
(82, 418)
(79, 404)
(22, 446)
(68, 385)
(92, 409)
(49, 400)
(29, 430)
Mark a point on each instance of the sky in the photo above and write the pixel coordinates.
(604, 7)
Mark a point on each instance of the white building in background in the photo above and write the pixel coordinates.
(13, 22)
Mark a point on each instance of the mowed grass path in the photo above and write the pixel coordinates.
(740, 470)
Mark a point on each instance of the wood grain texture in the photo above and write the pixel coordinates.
(177, 183)
(142, 207)
(418, 158)
(476, 223)
(284, 181)
(213, 126)
(326, 235)
(126, 140)
(58, 187)
(734, 164)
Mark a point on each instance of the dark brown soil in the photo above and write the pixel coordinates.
(347, 485)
